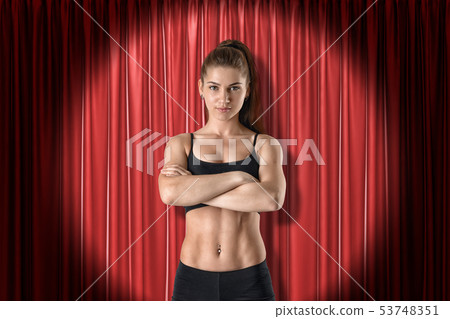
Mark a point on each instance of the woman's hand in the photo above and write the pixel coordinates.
(174, 170)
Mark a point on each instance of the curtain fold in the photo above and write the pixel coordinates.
(356, 93)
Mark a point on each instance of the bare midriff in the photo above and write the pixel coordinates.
(222, 240)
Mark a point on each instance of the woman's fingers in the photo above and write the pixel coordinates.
(175, 170)
(170, 174)
(176, 167)
(168, 171)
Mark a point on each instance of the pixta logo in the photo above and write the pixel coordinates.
(140, 150)
(308, 148)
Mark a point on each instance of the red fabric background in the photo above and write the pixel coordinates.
(375, 104)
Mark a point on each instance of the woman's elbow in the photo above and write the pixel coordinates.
(276, 200)
(274, 205)
(167, 189)
(270, 203)
(166, 198)
(166, 194)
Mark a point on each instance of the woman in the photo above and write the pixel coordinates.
(223, 255)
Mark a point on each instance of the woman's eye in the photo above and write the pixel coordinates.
(233, 88)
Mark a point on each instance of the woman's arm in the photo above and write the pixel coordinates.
(178, 187)
(251, 197)
(264, 195)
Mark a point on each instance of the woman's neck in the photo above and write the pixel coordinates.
(231, 127)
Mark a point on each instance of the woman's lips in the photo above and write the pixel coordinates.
(224, 109)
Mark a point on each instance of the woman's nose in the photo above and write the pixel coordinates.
(225, 96)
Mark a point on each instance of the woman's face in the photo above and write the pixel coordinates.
(224, 90)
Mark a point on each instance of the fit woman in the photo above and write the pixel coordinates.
(224, 185)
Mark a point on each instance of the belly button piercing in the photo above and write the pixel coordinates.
(218, 249)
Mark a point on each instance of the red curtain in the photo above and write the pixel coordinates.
(86, 108)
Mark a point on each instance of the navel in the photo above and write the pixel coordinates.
(219, 249)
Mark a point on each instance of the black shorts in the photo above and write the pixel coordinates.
(250, 283)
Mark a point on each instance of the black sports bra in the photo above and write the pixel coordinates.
(250, 164)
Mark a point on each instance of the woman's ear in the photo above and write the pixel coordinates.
(200, 87)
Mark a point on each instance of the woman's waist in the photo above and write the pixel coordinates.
(236, 238)
(214, 220)
(222, 253)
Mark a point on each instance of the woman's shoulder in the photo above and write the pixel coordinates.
(272, 140)
(179, 138)
(181, 141)
(268, 146)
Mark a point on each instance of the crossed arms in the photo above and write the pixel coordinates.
(236, 190)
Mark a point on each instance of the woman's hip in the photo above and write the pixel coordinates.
(249, 283)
